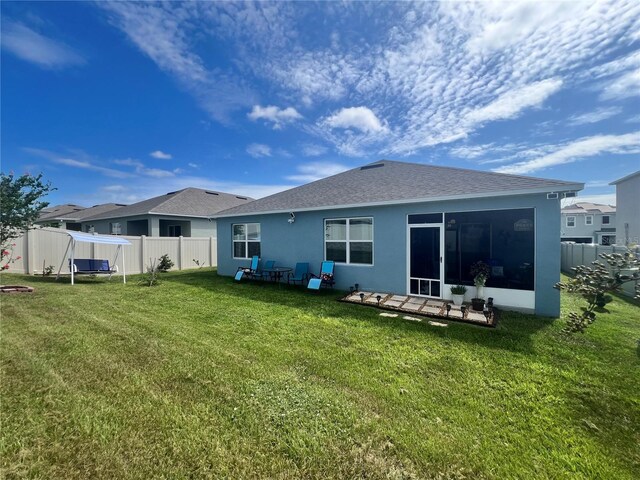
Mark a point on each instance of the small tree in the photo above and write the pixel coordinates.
(20, 206)
(165, 263)
(595, 282)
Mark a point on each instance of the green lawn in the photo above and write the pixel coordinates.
(201, 377)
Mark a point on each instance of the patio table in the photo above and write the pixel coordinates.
(276, 273)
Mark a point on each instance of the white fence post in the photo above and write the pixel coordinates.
(143, 252)
(180, 252)
(211, 251)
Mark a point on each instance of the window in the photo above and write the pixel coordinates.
(571, 221)
(606, 220)
(175, 230)
(90, 229)
(608, 239)
(588, 220)
(503, 239)
(349, 240)
(246, 240)
(115, 228)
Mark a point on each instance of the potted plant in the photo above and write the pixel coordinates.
(480, 272)
(457, 294)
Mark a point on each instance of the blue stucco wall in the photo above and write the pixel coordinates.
(304, 241)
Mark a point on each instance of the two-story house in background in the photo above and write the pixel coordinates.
(628, 209)
(585, 222)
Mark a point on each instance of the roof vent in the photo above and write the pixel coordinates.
(369, 167)
(241, 198)
(120, 204)
(171, 193)
(211, 193)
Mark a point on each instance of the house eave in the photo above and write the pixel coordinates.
(90, 219)
(531, 191)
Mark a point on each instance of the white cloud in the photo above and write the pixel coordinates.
(159, 154)
(257, 150)
(360, 118)
(193, 165)
(513, 102)
(109, 172)
(595, 116)
(160, 32)
(36, 48)
(278, 116)
(624, 86)
(311, 172)
(578, 150)
(313, 150)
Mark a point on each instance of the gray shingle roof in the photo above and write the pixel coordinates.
(59, 211)
(588, 208)
(397, 182)
(191, 202)
(92, 211)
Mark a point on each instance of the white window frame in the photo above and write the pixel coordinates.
(567, 221)
(348, 240)
(246, 240)
(116, 228)
(588, 220)
(608, 222)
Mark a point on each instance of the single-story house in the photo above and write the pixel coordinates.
(53, 216)
(185, 212)
(416, 229)
(585, 222)
(628, 209)
(69, 218)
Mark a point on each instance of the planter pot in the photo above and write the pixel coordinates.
(477, 304)
(457, 299)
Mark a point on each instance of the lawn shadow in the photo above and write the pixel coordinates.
(513, 333)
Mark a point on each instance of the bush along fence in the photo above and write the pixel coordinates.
(40, 249)
(574, 254)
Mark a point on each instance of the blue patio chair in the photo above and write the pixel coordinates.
(325, 279)
(300, 273)
(262, 275)
(249, 272)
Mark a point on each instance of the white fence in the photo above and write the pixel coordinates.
(43, 247)
(574, 254)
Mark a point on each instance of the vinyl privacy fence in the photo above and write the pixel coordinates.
(43, 247)
(574, 254)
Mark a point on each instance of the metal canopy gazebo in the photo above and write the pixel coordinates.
(93, 238)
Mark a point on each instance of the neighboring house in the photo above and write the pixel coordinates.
(413, 229)
(585, 222)
(53, 216)
(184, 213)
(628, 205)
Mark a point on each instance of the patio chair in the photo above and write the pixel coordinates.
(325, 279)
(300, 274)
(262, 275)
(249, 272)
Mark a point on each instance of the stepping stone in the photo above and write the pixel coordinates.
(391, 303)
(416, 300)
(399, 298)
(455, 314)
(435, 303)
(431, 310)
(413, 319)
(382, 295)
(354, 298)
(414, 307)
(477, 317)
(371, 300)
(384, 314)
(437, 324)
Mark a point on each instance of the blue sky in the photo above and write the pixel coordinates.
(123, 101)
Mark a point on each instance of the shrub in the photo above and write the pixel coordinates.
(151, 277)
(458, 290)
(165, 264)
